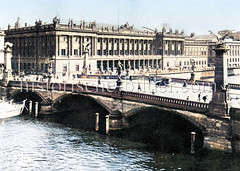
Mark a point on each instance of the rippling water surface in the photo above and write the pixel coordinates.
(29, 144)
(32, 144)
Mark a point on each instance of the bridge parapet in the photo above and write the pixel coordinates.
(166, 101)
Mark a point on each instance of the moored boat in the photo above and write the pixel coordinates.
(10, 109)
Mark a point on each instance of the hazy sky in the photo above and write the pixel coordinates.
(197, 16)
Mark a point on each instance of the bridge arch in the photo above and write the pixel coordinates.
(34, 96)
(167, 130)
(78, 110)
(61, 97)
(19, 95)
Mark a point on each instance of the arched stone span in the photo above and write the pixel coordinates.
(165, 129)
(172, 111)
(19, 95)
(61, 97)
(79, 111)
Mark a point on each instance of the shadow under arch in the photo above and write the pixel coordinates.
(79, 111)
(165, 130)
(20, 95)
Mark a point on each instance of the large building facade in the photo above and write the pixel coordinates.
(65, 49)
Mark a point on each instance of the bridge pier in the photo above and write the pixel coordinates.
(46, 107)
(3, 91)
(115, 121)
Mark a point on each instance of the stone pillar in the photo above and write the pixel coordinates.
(220, 104)
(7, 74)
(193, 142)
(36, 109)
(30, 107)
(107, 124)
(97, 122)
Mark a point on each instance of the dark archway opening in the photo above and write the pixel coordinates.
(78, 111)
(30, 96)
(162, 130)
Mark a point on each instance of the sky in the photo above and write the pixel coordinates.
(196, 16)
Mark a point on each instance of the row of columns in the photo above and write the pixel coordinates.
(26, 46)
(122, 46)
(97, 44)
(71, 46)
(168, 44)
(135, 64)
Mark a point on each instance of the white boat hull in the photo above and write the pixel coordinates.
(9, 109)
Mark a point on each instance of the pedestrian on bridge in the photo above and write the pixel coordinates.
(139, 87)
(199, 96)
(204, 98)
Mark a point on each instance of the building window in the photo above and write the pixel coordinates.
(105, 52)
(42, 67)
(110, 52)
(63, 52)
(77, 68)
(64, 67)
(75, 52)
(99, 52)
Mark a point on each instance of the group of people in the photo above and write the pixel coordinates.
(199, 97)
(204, 97)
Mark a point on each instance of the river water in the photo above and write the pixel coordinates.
(31, 144)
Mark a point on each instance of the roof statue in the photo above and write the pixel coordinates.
(56, 20)
(219, 37)
(8, 46)
(126, 26)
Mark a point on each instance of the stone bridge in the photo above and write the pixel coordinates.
(115, 109)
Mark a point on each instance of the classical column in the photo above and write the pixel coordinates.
(82, 43)
(118, 46)
(71, 45)
(182, 48)
(128, 46)
(138, 45)
(107, 47)
(101, 47)
(101, 65)
(80, 46)
(107, 65)
(123, 47)
(68, 48)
